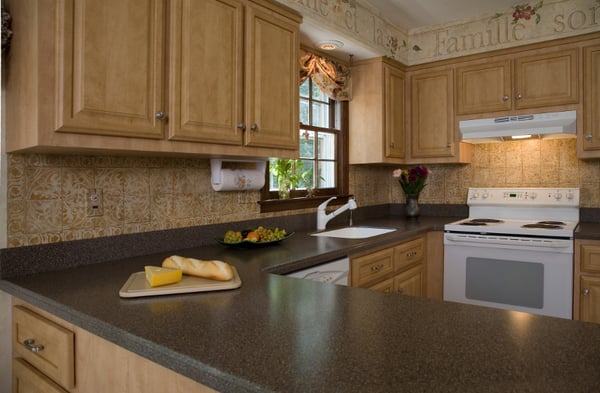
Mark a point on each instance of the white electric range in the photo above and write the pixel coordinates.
(514, 251)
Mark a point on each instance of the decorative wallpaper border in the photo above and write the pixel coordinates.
(522, 24)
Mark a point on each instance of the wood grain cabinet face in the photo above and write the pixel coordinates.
(211, 77)
(586, 285)
(484, 87)
(377, 113)
(47, 346)
(590, 140)
(518, 82)
(401, 268)
(432, 114)
(26, 379)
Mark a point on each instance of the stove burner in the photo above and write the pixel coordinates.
(551, 222)
(542, 225)
(481, 221)
(487, 220)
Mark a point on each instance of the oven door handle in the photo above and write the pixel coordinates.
(515, 241)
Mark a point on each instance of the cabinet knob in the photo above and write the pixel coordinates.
(505, 98)
(585, 291)
(160, 115)
(32, 346)
(376, 268)
(449, 146)
(400, 290)
(519, 96)
(411, 254)
(588, 137)
(254, 127)
(392, 145)
(241, 126)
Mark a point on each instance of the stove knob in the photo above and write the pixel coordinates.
(532, 195)
(475, 195)
(570, 195)
(485, 195)
(557, 196)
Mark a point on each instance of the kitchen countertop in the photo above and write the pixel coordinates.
(277, 333)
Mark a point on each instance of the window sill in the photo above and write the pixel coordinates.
(277, 205)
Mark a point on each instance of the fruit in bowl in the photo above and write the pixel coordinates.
(257, 235)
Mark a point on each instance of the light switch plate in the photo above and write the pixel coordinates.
(94, 202)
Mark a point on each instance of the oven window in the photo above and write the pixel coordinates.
(505, 282)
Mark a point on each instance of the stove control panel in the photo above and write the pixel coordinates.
(568, 197)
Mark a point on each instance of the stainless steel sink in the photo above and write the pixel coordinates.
(354, 232)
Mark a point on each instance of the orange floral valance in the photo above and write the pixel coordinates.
(332, 78)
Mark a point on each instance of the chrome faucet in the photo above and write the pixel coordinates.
(323, 218)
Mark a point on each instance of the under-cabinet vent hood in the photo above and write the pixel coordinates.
(544, 125)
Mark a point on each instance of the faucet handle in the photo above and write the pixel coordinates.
(323, 205)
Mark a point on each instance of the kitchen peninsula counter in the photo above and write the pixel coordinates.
(281, 334)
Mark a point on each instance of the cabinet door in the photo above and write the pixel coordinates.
(371, 268)
(272, 91)
(412, 282)
(205, 71)
(591, 100)
(26, 379)
(546, 79)
(395, 121)
(483, 87)
(590, 299)
(432, 132)
(112, 68)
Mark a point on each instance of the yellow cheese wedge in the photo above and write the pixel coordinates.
(158, 276)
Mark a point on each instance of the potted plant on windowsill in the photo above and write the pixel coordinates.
(289, 174)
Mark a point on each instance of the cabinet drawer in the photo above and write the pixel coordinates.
(27, 379)
(590, 258)
(409, 253)
(44, 344)
(372, 267)
(384, 286)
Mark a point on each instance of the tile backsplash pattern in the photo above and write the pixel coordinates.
(47, 193)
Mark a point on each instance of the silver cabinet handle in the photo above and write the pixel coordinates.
(588, 137)
(376, 268)
(519, 96)
(254, 127)
(586, 291)
(160, 115)
(505, 98)
(392, 144)
(241, 126)
(32, 346)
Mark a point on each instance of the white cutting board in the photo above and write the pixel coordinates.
(137, 285)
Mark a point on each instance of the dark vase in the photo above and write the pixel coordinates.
(412, 206)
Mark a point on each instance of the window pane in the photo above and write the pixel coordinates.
(307, 144)
(327, 174)
(304, 111)
(304, 88)
(317, 94)
(320, 114)
(307, 174)
(327, 146)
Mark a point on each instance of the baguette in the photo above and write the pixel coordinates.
(214, 270)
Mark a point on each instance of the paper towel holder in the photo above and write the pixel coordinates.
(245, 179)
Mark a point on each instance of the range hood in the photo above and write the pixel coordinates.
(544, 125)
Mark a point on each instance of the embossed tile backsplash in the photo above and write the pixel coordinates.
(47, 193)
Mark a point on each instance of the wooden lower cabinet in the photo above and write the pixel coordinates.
(586, 285)
(400, 268)
(93, 364)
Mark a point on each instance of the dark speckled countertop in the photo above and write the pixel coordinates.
(280, 334)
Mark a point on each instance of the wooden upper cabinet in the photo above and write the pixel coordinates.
(112, 68)
(395, 120)
(219, 77)
(209, 100)
(272, 90)
(377, 112)
(546, 79)
(484, 87)
(206, 71)
(589, 142)
(432, 114)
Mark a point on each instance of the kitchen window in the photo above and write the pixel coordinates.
(323, 162)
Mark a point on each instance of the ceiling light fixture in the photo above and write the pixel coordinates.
(330, 44)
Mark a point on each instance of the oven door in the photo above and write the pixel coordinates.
(499, 272)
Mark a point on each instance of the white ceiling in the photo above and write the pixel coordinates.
(407, 15)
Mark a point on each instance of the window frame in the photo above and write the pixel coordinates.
(299, 199)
